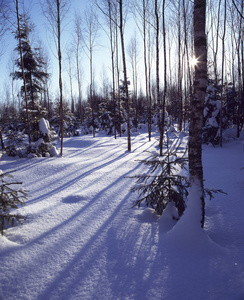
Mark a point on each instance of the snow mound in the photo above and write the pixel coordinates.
(44, 126)
(53, 151)
(188, 233)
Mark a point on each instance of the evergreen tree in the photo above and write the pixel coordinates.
(211, 112)
(35, 76)
(69, 121)
(106, 108)
(231, 107)
(10, 198)
(111, 115)
(163, 184)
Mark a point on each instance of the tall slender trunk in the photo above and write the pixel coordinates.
(71, 87)
(1, 139)
(60, 78)
(111, 26)
(165, 65)
(180, 59)
(200, 84)
(189, 75)
(92, 90)
(149, 75)
(78, 80)
(117, 74)
(222, 78)
(145, 70)
(217, 46)
(159, 104)
(125, 75)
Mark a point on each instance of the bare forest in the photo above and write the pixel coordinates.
(148, 73)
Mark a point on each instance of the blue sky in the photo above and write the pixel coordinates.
(101, 56)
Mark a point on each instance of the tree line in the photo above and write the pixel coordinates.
(160, 50)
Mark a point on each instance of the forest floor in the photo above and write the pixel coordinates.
(82, 239)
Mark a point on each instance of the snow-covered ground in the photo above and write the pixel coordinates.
(82, 240)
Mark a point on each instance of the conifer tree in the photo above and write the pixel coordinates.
(35, 76)
(10, 198)
(163, 184)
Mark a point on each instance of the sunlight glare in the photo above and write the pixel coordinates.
(193, 61)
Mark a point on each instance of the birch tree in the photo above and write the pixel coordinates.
(121, 29)
(133, 53)
(77, 40)
(89, 35)
(55, 11)
(196, 121)
(3, 7)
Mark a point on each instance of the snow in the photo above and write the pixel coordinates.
(44, 126)
(53, 151)
(212, 122)
(218, 105)
(82, 239)
(230, 134)
(205, 111)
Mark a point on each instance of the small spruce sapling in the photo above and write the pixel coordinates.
(163, 184)
(10, 198)
(16, 143)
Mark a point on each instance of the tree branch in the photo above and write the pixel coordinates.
(241, 15)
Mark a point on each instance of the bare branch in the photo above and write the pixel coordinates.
(241, 15)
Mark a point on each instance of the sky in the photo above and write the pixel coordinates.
(42, 32)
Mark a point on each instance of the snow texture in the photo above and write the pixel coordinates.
(82, 239)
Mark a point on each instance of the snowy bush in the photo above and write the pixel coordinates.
(17, 143)
(44, 128)
(40, 149)
(221, 102)
(10, 198)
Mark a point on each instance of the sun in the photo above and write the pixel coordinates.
(193, 61)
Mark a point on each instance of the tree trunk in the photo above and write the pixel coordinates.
(1, 139)
(60, 78)
(222, 79)
(200, 84)
(125, 74)
(149, 68)
(217, 46)
(117, 75)
(180, 75)
(71, 85)
(160, 115)
(189, 73)
(111, 31)
(165, 65)
(145, 70)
